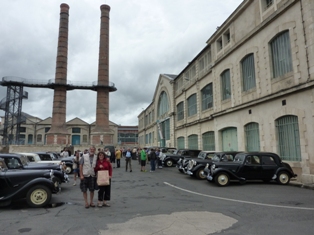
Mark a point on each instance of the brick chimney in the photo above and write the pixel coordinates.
(58, 134)
(101, 134)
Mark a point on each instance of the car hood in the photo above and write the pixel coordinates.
(42, 166)
(21, 177)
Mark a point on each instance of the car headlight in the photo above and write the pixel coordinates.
(51, 173)
(207, 165)
(213, 167)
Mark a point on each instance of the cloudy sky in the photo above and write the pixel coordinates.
(147, 38)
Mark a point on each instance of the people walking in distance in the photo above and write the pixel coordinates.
(64, 152)
(76, 166)
(139, 155)
(128, 160)
(143, 160)
(104, 191)
(153, 158)
(118, 157)
(157, 158)
(87, 175)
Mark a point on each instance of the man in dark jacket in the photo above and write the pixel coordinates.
(153, 158)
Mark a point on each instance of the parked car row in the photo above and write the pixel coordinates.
(224, 167)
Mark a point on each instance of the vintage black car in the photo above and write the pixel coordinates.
(36, 186)
(172, 159)
(195, 166)
(182, 163)
(49, 156)
(264, 166)
(225, 156)
(20, 161)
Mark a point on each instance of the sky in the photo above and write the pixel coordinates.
(147, 38)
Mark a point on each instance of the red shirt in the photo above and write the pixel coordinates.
(106, 166)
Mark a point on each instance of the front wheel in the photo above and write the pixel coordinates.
(199, 174)
(38, 196)
(68, 169)
(283, 178)
(169, 163)
(222, 179)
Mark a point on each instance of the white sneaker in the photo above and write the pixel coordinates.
(74, 184)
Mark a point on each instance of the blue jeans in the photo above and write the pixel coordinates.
(152, 165)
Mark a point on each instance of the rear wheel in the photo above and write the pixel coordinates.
(169, 163)
(199, 174)
(222, 179)
(283, 178)
(38, 196)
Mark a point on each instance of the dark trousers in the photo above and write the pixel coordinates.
(104, 192)
(118, 163)
(128, 162)
(152, 165)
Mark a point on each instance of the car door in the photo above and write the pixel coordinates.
(251, 168)
(269, 167)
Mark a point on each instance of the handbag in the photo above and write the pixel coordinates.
(103, 178)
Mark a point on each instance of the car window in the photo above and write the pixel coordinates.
(12, 163)
(239, 158)
(31, 159)
(268, 160)
(209, 156)
(216, 158)
(254, 160)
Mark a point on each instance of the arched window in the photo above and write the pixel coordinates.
(193, 142)
(30, 139)
(225, 85)
(208, 140)
(287, 128)
(180, 143)
(180, 111)
(252, 137)
(39, 138)
(207, 97)
(192, 105)
(163, 105)
(281, 54)
(248, 72)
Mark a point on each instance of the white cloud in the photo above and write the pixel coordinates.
(147, 38)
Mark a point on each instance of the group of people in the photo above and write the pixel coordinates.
(86, 166)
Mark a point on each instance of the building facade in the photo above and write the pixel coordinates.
(250, 89)
(33, 132)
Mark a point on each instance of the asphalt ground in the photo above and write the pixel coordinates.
(167, 202)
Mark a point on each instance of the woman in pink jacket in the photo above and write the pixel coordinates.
(103, 163)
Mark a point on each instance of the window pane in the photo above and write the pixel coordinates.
(248, 72)
(76, 130)
(180, 111)
(281, 54)
(252, 137)
(208, 139)
(163, 104)
(207, 97)
(288, 138)
(193, 142)
(225, 85)
(192, 105)
(180, 143)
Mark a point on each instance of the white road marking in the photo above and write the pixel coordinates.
(240, 201)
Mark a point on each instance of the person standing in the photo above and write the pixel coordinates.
(128, 159)
(118, 154)
(143, 160)
(157, 158)
(153, 158)
(87, 175)
(76, 166)
(103, 164)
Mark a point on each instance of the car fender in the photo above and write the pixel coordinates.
(291, 173)
(21, 192)
(230, 173)
(195, 168)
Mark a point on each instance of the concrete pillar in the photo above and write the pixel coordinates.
(101, 134)
(58, 134)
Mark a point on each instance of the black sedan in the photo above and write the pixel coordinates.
(172, 159)
(19, 161)
(263, 166)
(36, 186)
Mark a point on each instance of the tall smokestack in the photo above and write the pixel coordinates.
(101, 133)
(58, 133)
